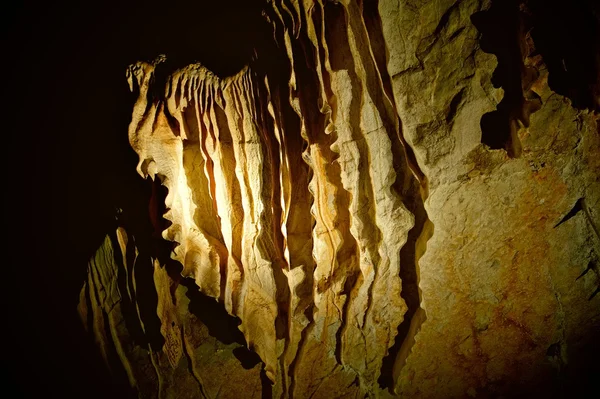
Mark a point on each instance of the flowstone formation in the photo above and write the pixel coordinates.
(280, 201)
(379, 208)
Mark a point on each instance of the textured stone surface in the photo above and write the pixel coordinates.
(178, 354)
(499, 279)
(254, 215)
(368, 141)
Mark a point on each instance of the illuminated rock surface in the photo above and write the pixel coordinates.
(376, 216)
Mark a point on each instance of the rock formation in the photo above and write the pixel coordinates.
(390, 199)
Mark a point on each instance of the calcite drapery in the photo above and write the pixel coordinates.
(286, 186)
(290, 220)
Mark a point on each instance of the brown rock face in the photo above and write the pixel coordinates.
(390, 199)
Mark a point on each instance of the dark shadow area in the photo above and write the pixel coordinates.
(503, 29)
(567, 35)
(407, 184)
(209, 311)
(577, 207)
(410, 281)
(137, 278)
(267, 386)
(220, 324)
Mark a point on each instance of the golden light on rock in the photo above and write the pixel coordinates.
(301, 190)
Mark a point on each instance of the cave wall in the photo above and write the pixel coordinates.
(385, 201)
(505, 279)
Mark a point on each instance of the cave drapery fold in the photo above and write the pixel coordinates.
(342, 199)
